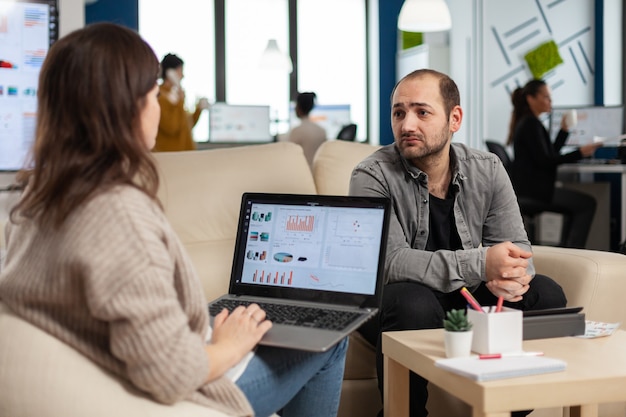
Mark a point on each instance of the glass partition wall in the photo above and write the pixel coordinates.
(326, 41)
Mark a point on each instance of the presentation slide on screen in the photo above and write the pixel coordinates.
(24, 43)
(239, 123)
(332, 117)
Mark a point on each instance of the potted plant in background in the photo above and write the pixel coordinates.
(458, 334)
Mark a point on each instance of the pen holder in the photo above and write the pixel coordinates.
(496, 332)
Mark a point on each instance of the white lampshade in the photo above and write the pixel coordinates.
(273, 58)
(424, 16)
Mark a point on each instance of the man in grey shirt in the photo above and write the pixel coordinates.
(455, 221)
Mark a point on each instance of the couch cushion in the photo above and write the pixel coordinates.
(334, 162)
(201, 194)
(42, 376)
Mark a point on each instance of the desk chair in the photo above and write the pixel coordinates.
(530, 208)
(347, 132)
(501, 152)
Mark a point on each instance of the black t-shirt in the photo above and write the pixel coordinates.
(442, 229)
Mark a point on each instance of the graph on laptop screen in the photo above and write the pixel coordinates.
(316, 247)
(592, 122)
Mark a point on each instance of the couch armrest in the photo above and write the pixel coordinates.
(42, 376)
(593, 279)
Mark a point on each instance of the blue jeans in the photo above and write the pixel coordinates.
(300, 383)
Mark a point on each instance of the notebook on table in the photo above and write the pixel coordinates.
(314, 263)
(506, 367)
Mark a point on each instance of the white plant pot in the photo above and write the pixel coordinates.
(458, 344)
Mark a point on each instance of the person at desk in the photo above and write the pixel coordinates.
(308, 134)
(536, 159)
(455, 222)
(176, 123)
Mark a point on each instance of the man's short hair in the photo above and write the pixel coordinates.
(305, 102)
(447, 87)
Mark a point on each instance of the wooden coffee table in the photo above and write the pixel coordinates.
(596, 373)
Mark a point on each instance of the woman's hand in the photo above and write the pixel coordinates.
(234, 335)
(589, 149)
(564, 125)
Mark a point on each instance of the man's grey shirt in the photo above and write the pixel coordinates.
(485, 213)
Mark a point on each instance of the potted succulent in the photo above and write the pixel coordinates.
(458, 334)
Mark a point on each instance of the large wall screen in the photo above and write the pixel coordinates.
(27, 29)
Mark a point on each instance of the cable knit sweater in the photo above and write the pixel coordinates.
(115, 283)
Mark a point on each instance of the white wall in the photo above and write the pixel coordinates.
(374, 84)
(613, 59)
(488, 41)
(71, 15)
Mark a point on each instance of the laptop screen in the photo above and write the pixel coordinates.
(310, 246)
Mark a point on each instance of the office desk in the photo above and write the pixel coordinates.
(603, 169)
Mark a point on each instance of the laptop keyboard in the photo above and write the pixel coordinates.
(319, 318)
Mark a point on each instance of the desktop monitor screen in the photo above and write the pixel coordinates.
(27, 29)
(332, 117)
(239, 123)
(592, 121)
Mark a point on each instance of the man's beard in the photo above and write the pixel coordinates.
(430, 146)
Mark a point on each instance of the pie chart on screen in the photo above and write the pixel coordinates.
(283, 257)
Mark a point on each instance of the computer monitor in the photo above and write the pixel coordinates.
(27, 29)
(239, 123)
(592, 122)
(332, 117)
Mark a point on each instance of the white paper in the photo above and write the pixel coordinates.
(595, 329)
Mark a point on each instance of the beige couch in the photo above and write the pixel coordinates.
(201, 192)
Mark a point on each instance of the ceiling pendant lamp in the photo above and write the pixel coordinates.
(424, 16)
(273, 58)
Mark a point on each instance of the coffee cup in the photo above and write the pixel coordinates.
(571, 118)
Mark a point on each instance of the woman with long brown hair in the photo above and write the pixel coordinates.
(92, 259)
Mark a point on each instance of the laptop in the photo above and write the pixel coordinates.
(314, 263)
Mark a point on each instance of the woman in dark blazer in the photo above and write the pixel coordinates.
(534, 168)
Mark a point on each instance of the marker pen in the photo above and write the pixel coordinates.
(507, 355)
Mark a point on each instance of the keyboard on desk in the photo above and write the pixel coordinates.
(320, 318)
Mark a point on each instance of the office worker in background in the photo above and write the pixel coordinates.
(308, 134)
(536, 159)
(176, 123)
(92, 259)
(455, 221)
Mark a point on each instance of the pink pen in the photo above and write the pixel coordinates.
(471, 300)
(499, 305)
(505, 355)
